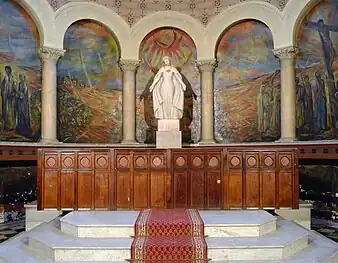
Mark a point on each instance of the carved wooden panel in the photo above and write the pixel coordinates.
(158, 179)
(251, 179)
(203, 178)
(268, 168)
(213, 179)
(234, 180)
(50, 181)
(123, 174)
(181, 182)
(85, 182)
(197, 179)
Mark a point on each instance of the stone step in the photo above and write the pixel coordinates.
(51, 243)
(320, 249)
(99, 224)
(286, 241)
(238, 223)
(113, 224)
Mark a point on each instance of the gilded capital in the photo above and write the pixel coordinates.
(286, 52)
(207, 65)
(129, 64)
(51, 53)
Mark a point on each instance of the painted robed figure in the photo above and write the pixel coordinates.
(168, 92)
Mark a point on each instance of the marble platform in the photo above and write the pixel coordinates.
(168, 134)
(288, 242)
(233, 224)
(110, 224)
(35, 217)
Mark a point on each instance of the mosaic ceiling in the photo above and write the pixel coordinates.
(133, 10)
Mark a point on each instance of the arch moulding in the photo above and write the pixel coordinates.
(254, 10)
(165, 19)
(53, 25)
(73, 12)
(42, 14)
(293, 15)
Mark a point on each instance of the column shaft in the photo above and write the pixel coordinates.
(288, 93)
(49, 57)
(129, 101)
(206, 68)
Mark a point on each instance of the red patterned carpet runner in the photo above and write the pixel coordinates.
(170, 236)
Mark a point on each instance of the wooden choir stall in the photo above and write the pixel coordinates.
(132, 179)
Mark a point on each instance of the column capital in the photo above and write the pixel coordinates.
(129, 64)
(51, 53)
(206, 65)
(286, 52)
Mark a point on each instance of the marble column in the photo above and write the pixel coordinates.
(288, 92)
(49, 57)
(129, 100)
(207, 68)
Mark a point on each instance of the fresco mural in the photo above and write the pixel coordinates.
(317, 71)
(20, 75)
(247, 85)
(181, 49)
(89, 86)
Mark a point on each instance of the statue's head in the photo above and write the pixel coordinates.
(166, 61)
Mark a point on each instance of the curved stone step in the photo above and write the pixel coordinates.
(238, 223)
(55, 245)
(113, 224)
(99, 224)
(288, 240)
(320, 250)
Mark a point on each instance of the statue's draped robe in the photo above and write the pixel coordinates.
(168, 94)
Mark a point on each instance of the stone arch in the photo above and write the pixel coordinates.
(294, 13)
(73, 12)
(253, 10)
(166, 19)
(42, 14)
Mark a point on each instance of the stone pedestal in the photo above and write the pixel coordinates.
(168, 134)
(35, 218)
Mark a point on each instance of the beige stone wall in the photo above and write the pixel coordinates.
(133, 10)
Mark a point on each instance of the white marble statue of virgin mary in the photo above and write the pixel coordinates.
(168, 92)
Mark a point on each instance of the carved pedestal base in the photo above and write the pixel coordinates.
(168, 134)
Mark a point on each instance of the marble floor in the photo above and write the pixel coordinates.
(11, 229)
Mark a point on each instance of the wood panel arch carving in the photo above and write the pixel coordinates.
(132, 179)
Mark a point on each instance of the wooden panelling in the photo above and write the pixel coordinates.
(306, 150)
(234, 180)
(251, 180)
(268, 169)
(213, 179)
(132, 179)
